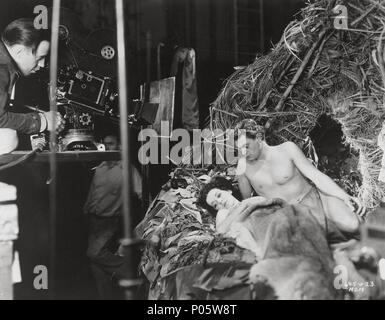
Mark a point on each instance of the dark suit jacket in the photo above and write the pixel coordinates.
(28, 123)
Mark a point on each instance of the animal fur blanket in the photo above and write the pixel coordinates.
(295, 258)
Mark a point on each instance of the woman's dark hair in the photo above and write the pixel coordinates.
(22, 31)
(218, 182)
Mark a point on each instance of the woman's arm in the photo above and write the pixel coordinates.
(236, 214)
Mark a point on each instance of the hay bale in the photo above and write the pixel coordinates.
(317, 69)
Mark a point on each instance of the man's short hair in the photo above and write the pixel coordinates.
(22, 31)
(251, 128)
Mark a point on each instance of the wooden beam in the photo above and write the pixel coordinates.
(68, 156)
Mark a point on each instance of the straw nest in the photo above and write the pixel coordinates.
(318, 68)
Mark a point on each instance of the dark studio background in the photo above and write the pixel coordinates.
(208, 26)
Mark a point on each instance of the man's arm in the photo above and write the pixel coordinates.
(225, 219)
(321, 180)
(26, 123)
(244, 186)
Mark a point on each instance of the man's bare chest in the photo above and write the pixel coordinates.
(270, 173)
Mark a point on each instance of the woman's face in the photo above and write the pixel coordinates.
(221, 199)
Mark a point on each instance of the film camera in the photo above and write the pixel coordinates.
(85, 82)
(81, 96)
(87, 90)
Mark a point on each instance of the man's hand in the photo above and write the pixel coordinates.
(54, 119)
(38, 142)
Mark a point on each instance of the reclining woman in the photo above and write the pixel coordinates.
(248, 220)
(289, 243)
(220, 198)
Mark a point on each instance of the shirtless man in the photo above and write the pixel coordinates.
(284, 172)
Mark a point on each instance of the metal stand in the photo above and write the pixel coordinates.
(129, 243)
(131, 250)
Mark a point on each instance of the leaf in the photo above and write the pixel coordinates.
(170, 196)
(203, 282)
(149, 231)
(205, 178)
(185, 193)
(202, 238)
(192, 233)
(172, 251)
(172, 239)
(239, 277)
